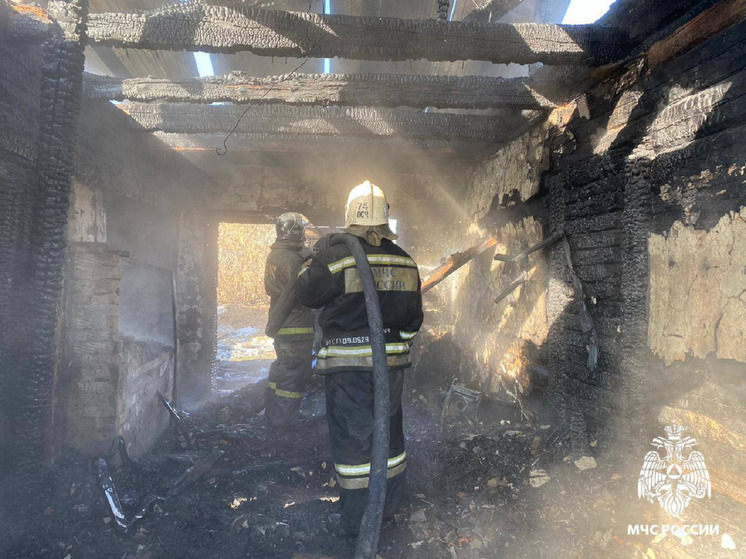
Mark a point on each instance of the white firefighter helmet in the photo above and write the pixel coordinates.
(366, 206)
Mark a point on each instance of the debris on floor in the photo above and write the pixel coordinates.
(486, 488)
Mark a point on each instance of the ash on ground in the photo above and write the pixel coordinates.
(478, 490)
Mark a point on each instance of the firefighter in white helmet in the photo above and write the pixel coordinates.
(330, 280)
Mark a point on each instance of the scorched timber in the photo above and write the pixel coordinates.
(187, 118)
(377, 146)
(362, 90)
(21, 22)
(220, 29)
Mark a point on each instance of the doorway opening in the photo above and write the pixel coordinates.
(244, 353)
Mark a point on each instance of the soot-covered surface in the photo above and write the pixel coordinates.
(487, 490)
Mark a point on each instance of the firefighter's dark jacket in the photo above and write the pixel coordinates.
(331, 280)
(283, 263)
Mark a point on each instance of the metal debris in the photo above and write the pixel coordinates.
(110, 491)
(112, 497)
(145, 507)
(461, 401)
(176, 421)
(169, 406)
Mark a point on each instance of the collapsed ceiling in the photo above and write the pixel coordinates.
(139, 52)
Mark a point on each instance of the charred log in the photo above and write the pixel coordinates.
(637, 220)
(200, 27)
(310, 143)
(61, 85)
(360, 90)
(277, 119)
(456, 261)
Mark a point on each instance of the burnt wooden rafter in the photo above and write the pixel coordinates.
(189, 118)
(313, 144)
(221, 29)
(380, 90)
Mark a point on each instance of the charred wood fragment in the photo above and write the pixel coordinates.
(118, 448)
(195, 472)
(454, 262)
(522, 278)
(538, 246)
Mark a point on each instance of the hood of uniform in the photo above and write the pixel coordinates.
(372, 234)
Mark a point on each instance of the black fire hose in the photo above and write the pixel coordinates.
(370, 526)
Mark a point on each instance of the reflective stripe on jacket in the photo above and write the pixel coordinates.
(331, 280)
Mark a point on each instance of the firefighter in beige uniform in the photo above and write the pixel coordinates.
(290, 372)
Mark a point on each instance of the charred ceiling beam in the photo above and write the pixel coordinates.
(362, 90)
(311, 144)
(189, 118)
(220, 29)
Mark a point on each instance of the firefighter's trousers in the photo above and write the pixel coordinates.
(349, 413)
(288, 376)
